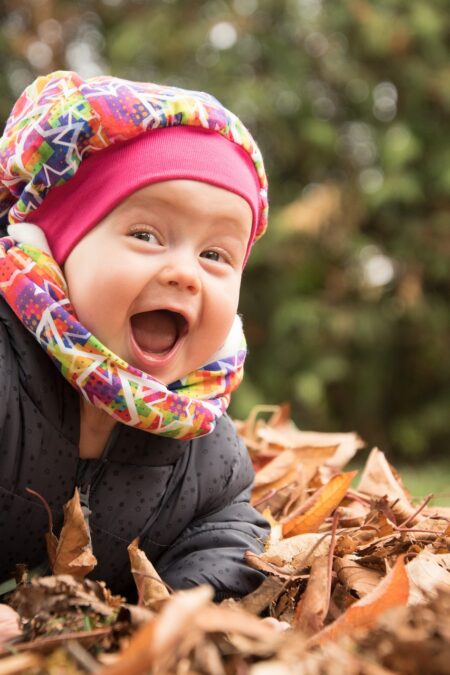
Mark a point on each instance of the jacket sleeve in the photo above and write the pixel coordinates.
(211, 549)
(5, 374)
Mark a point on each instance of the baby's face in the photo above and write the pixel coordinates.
(157, 280)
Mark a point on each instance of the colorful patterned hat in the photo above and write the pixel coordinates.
(61, 119)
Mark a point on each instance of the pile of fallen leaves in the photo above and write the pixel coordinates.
(360, 574)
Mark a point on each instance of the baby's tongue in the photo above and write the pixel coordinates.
(155, 331)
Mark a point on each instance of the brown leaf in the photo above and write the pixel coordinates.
(255, 561)
(434, 524)
(427, 573)
(213, 619)
(378, 479)
(289, 476)
(151, 588)
(296, 553)
(336, 449)
(392, 591)
(326, 500)
(376, 526)
(263, 596)
(352, 514)
(275, 469)
(63, 594)
(355, 577)
(162, 634)
(312, 609)
(296, 465)
(267, 439)
(74, 554)
(345, 544)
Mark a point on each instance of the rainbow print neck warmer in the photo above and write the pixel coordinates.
(33, 285)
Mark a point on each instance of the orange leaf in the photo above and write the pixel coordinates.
(325, 501)
(392, 591)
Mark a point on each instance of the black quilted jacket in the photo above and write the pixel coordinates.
(186, 500)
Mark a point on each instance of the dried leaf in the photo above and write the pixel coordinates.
(296, 553)
(345, 544)
(274, 470)
(263, 596)
(258, 563)
(74, 554)
(380, 524)
(428, 573)
(297, 465)
(162, 634)
(265, 439)
(327, 499)
(214, 619)
(312, 609)
(275, 528)
(355, 577)
(338, 448)
(434, 524)
(392, 591)
(151, 588)
(63, 594)
(248, 427)
(379, 480)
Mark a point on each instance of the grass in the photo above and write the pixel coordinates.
(423, 479)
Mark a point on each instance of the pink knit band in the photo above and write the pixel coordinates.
(108, 176)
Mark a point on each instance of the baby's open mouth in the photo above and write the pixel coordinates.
(157, 332)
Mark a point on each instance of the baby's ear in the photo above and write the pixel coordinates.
(27, 233)
(232, 343)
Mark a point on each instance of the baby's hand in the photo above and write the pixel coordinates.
(277, 625)
(9, 623)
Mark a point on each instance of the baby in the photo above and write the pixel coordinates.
(130, 210)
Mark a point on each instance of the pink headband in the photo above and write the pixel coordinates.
(106, 178)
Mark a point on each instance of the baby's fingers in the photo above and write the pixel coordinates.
(277, 625)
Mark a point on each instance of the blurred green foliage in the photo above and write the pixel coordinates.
(346, 299)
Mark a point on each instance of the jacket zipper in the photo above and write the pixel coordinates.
(86, 487)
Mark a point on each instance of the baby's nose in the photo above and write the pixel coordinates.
(182, 275)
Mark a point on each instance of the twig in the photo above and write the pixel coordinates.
(46, 506)
(266, 497)
(272, 493)
(82, 656)
(416, 513)
(330, 557)
(351, 494)
(48, 642)
(419, 531)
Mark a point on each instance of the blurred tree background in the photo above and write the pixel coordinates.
(346, 299)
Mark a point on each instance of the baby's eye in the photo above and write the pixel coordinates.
(145, 235)
(212, 255)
